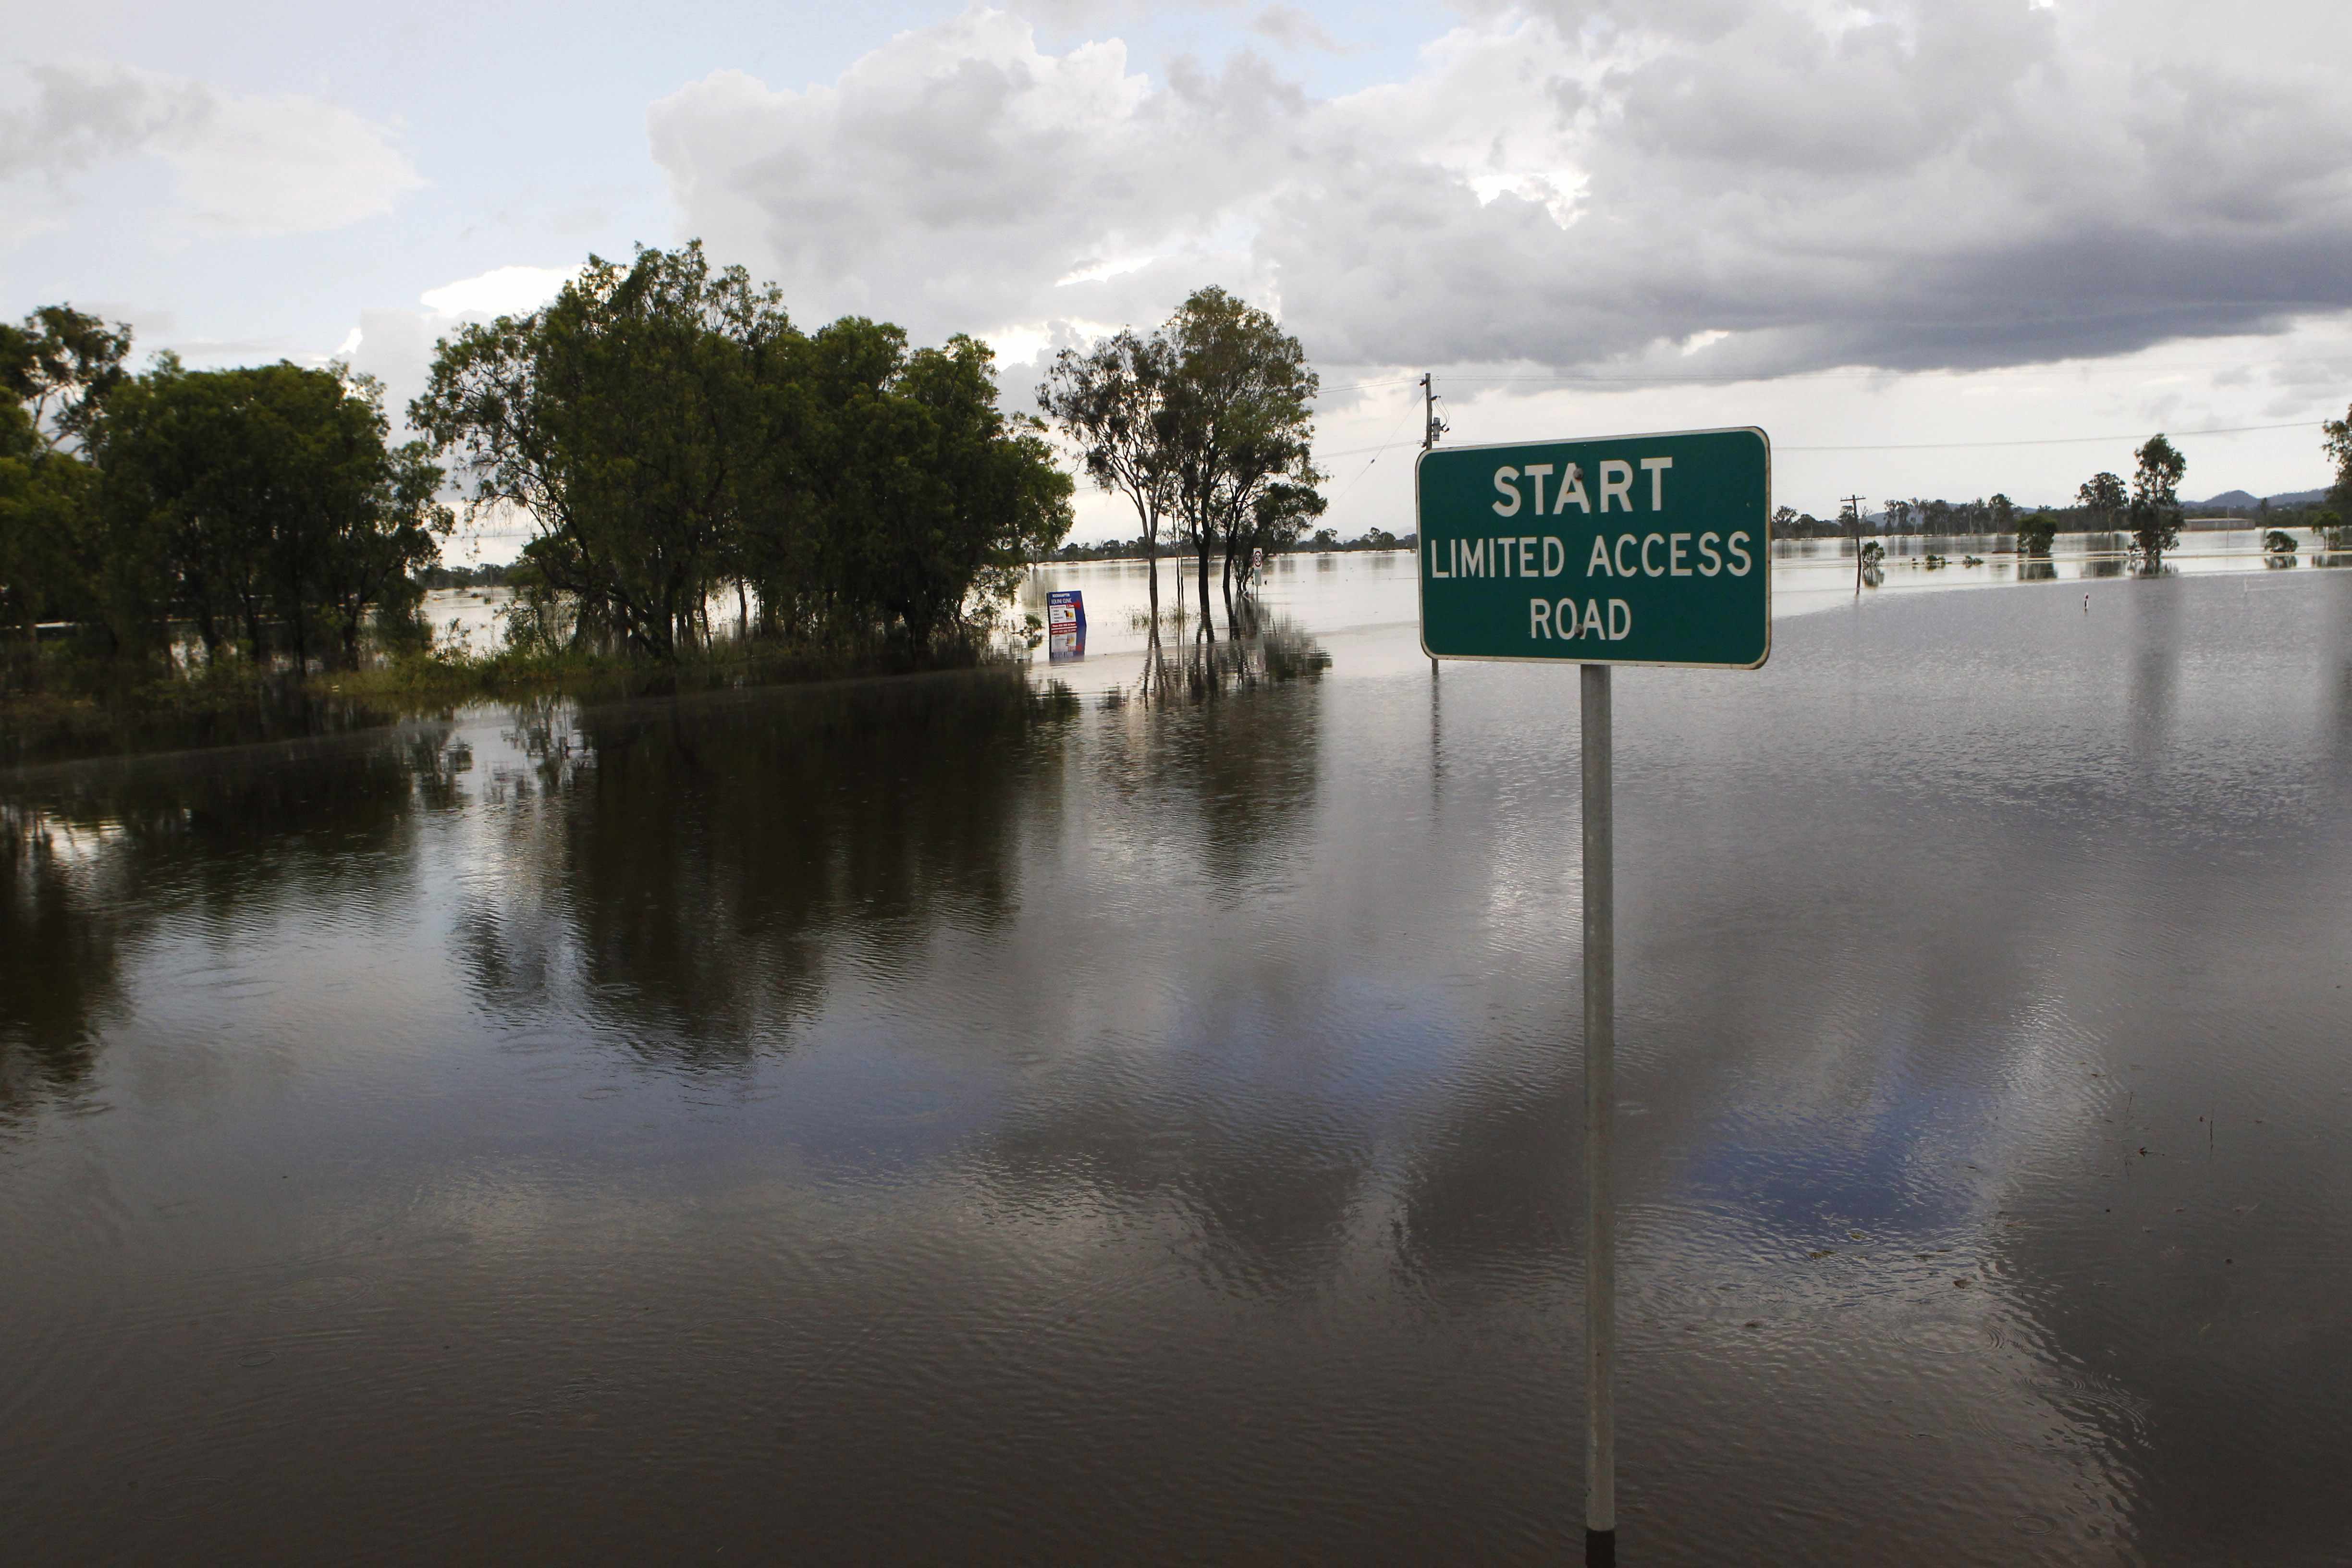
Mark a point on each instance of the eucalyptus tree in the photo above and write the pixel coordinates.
(1110, 401)
(617, 419)
(60, 363)
(2102, 495)
(1241, 429)
(2156, 499)
(56, 368)
(262, 503)
(668, 430)
(2337, 442)
(47, 543)
(927, 493)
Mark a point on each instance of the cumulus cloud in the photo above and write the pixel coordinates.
(281, 163)
(501, 291)
(1790, 184)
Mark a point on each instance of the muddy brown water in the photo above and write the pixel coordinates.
(954, 1118)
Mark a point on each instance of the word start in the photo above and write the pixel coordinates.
(1701, 553)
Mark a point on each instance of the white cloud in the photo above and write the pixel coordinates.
(1960, 183)
(501, 291)
(396, 344)
(957, 174)
(282, 163)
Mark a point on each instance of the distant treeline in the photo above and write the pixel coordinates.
(1323, 541)
(440, 576)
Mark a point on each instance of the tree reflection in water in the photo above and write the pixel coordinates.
(688, 886)
(95, 858)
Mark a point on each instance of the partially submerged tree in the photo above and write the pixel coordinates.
(2156, 499)
(614, 417)
(56, 368)
(2337, 442)
(1207, 423)
(1241, 426)
(262, 503)
(2102, 495)
(47, 551)
(1112, 402)
(668, 431)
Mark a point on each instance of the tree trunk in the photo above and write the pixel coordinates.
(1152, 564)
(1208, 621)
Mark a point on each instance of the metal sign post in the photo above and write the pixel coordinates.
(1600, 1128)
(1630, 549)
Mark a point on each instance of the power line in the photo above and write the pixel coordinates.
(1376, 451)
(1360, 451)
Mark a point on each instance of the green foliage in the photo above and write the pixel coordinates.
(261, 503)
(60, 365)
(57, 369)
(2278, 542)
(46, 545)
(2035, 530)
(1240, 430)
(2337, 442)
(2102, 495)
(2155, 500)
(1112, 402)
(1210, 419)
(669, 432)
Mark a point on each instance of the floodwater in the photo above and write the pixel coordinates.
(965, 1118)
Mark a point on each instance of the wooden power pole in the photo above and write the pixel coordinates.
(1431, 429)
(1855, 504)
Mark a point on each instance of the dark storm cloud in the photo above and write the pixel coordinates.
(1925, 185)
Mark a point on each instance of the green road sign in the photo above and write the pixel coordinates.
(1630, 549)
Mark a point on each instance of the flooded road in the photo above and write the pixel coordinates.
(961, 1118)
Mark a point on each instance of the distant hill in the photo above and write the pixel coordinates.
(2240, 500)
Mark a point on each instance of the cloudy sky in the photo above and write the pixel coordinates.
(1934, 248)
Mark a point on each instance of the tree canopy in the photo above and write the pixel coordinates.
(1210, 420)
(263, 503)
(1112, 402)
(668, 431)
(2156, 498)
(2336, 440)
(59, 364)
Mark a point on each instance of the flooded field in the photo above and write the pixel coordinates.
(969, 1118)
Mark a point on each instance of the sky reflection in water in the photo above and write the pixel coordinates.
(953, 1117)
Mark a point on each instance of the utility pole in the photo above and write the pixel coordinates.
(1853, 504)
(1431, 428)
